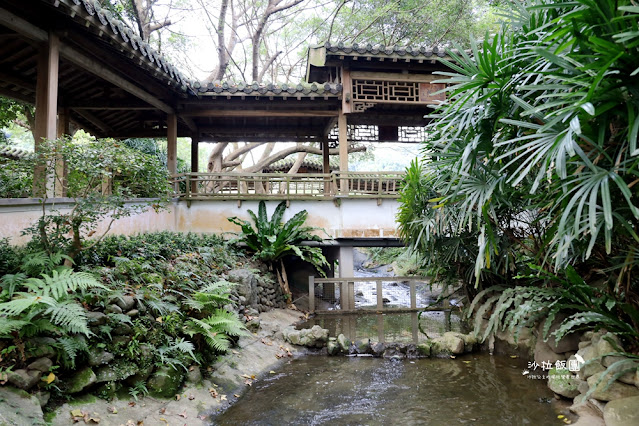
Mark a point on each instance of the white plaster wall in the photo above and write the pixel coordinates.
(351, 218)
(18, 214)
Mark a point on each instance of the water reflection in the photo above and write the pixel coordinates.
(410, 327)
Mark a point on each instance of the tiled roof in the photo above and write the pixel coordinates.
(311, 161)
(15, 153)
(239, 89)
(107, 25)
(416, 52)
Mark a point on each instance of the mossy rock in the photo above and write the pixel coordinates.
(423, 349)
(81, 380)
(17, 407)
(165, 382)
(563, 383)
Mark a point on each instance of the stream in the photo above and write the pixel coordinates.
(474, 389)
(477, 389)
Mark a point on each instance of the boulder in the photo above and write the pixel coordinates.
(453, 342)
(343, 343)
(142, 374)
(332, 346)
(96, 318)
(113, 309)
(378, 349)
(247, 286)
(569, 342)
(24, 379)
(19, 408)
(615, 390)
(41, 364)
(563, 383)
(98, 356)
(423, 349)
(622, 412)
(363, 346)
(122, 329)
(126, 303)
(81, 380)
(117, 371)
(43, 347)
(165, 382)
(545, 354)
(591, 365)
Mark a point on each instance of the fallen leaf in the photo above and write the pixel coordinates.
(246, 376)
(453, 357)
(466, 362)
(177, 397)
(163, 410)
(131, 404)
(213, 392)
(514, 356)
(164, 420)
(272, 372)
(248, 382)
(236, 395)
(222, 397)
(183, 414)
(50, 378)
(77, 413)
(191, 397)
(113, 410)
(235, 352)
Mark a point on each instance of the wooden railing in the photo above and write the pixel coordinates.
(242, 186)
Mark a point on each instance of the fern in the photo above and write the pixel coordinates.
(70, 316)
(70, 347)
(59, 284)
(8, 326)
(10, 282)
(217, 329)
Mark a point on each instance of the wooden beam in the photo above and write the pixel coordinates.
(388, 76)
(21, 26)
(74, 56)
(105, 128)
(259, 113)
(189, 123)
(16, 81)
(31, 31)
(171, 143)
(46, 109)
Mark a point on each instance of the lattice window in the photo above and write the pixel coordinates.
(411, 134)
(385, 91)
(370, 133)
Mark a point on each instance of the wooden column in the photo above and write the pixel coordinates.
(171, 143)
(61, 170)
(195, 160)
(326, 165)
(45, 110)
(343, 150)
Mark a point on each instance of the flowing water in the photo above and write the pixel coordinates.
(473, 389)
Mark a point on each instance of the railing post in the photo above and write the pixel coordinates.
(380, 296)
(311, 294)
(343, 295)
(413, 294)
(187, 190)
(351, 295)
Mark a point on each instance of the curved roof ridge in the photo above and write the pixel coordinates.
(119, 32)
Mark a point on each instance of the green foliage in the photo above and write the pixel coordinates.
(16, 177)
(217, 329)
(516, 308)
(272, 240)
(409, 22)
(530, 169)
(132, 175)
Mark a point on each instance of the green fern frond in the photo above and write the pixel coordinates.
(38, 327)
(218, 342)
(8, 326)
(24, 301)
(59, 284)
(70, 347)
(70, 316)
(160, 307)
(120, 318)
(226, 322)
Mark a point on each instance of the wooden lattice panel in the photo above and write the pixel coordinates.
(385, 91)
